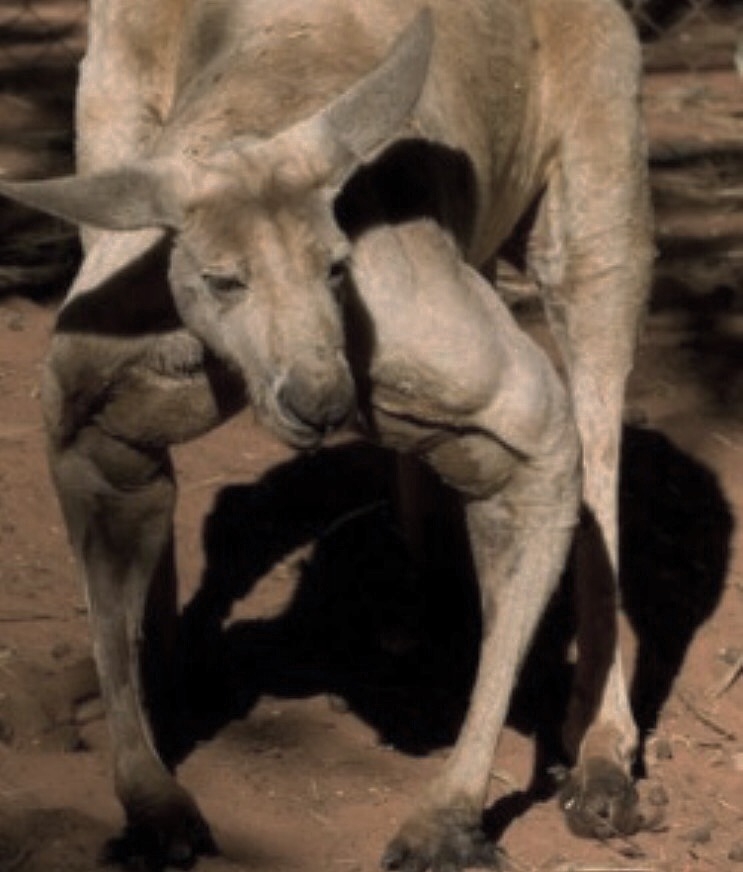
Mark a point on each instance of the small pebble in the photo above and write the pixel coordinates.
(69, 739)
(16, 322)
(657, 795)
(662, 749)
(6, 732)
(61, 650)
(730, 656)
(699, 835)
(736, 852)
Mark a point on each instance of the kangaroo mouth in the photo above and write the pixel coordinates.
(292, 431)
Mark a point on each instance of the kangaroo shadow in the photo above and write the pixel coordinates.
(675, 543)
(399, 643)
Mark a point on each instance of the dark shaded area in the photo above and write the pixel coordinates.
(699, 283)
(39, 55)
(133, 302)
(694, 184)
(38, 255)
(675, 540)
(365, 624)
(712, 345)
(655, 18)
(398, 643)
(413, 178)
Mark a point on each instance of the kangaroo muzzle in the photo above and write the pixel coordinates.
(313, 401)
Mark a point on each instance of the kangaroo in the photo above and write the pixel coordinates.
(287, 205)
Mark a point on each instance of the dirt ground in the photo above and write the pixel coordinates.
(335, 678)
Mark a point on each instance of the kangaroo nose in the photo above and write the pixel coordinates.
(318, 402)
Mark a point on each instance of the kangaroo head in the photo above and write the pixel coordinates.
(256, 252)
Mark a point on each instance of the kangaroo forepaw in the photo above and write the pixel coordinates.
(444, 840)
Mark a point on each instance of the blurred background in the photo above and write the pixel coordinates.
(693, 102)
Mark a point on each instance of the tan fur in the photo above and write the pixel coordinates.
(251, 149)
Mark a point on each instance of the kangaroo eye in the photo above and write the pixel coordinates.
(337, 274)
(224, 284)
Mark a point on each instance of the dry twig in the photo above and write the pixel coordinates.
(27, 619)
(727, 680)
(705, 718)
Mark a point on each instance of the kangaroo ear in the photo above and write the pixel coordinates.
(130, 198)
(358, 123)
(371, 113)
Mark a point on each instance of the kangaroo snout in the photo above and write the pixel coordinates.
(318, 400)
